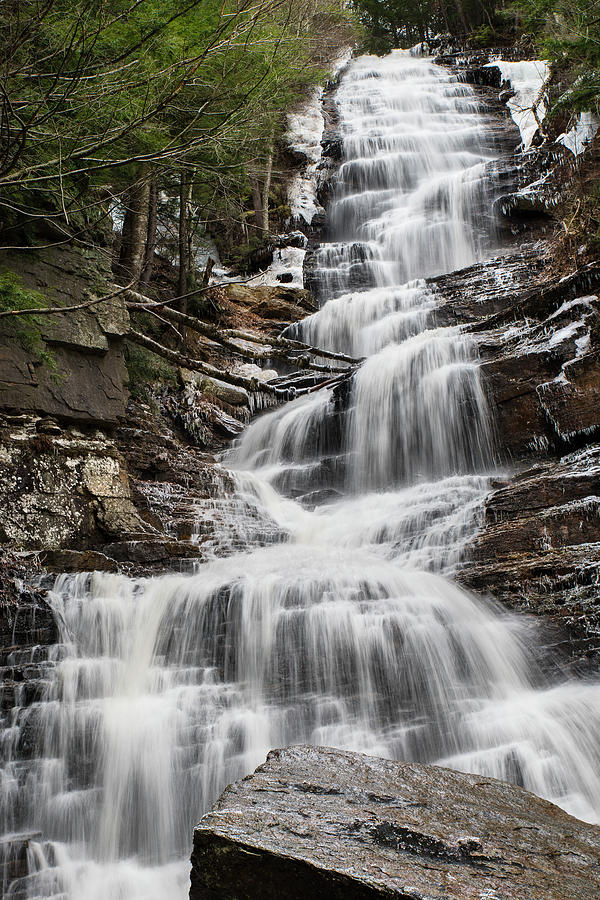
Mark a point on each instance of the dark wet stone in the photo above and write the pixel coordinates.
(539, 549)
(77, 561)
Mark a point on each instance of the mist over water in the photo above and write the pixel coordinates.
(330, 616)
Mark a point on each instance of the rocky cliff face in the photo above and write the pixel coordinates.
(318, 822)
(87, 381)
(537, 337)
(126, 477)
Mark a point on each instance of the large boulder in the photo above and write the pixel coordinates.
(314, 822)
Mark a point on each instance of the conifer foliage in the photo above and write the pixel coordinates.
(113, 104)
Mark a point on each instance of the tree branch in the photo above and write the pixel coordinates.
(53, 310)
(178, 359)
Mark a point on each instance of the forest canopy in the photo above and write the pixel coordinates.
(401, 23)
(110, 103)
(164, 116)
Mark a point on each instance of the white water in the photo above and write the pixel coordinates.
(333, 618)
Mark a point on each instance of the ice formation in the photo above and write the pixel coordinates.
(528, 105)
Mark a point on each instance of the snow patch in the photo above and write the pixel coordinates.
(528, 105)
(578, 138)
(305, 127)
(583, 345)
(570, 304)
(286, 270)
(304, 134)
(548, 335)
(289, 261)
(564, 334)
(251, 370)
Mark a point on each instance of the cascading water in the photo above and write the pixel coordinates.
(335, 623)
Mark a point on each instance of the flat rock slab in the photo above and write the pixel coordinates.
(314, 822)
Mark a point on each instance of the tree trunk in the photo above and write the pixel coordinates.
(185, 186)
(444, 11)
(179, 359)
(463, 18)
(210, 264)
(266, 191)
(135, 226)
(257, 201)
(150, 234)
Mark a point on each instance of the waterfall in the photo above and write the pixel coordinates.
(332, 618)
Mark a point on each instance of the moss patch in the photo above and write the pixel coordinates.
(24, 329)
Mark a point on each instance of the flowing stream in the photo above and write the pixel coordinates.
(329, 614)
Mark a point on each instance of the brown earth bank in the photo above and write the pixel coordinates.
(324, 823)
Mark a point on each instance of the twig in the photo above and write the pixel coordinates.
(53, 310)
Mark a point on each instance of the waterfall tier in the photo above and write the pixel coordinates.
(332, 620)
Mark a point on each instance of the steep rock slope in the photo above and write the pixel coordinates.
(535, 314)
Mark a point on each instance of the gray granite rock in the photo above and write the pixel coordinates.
(68, 491)
(314, 822)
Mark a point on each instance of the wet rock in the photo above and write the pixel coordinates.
(535, 344)
(571, 402)
(67, 487)
(272, 302)
(317, 822)
(83, 387)
(48, 425)
(77, 561)
(62, 491)
(525, 204)
(332, 145)
(26, 620)
(512, 384)
(14, 851)
(149, 552)
(539, 548)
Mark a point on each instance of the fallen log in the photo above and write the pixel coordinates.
(282, 348)
(187, 362)
(296, 345)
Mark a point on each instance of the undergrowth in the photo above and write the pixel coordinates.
(146, 369)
